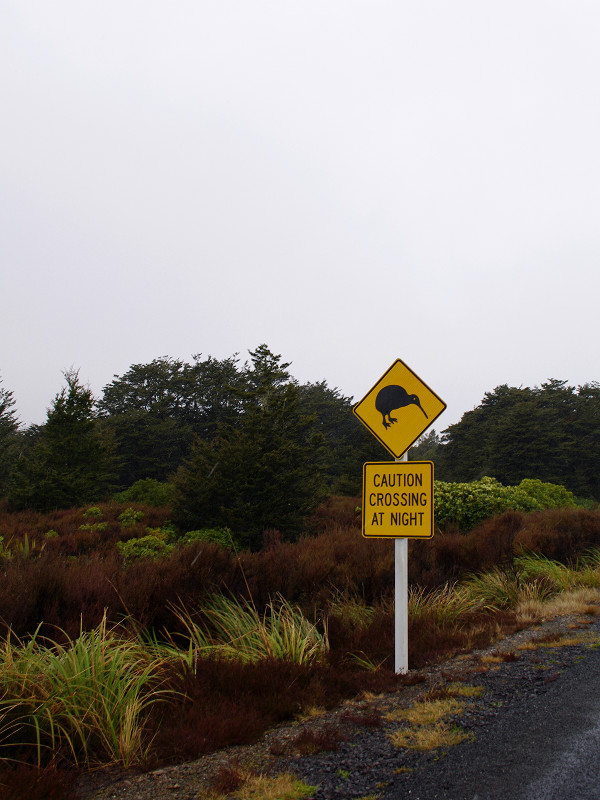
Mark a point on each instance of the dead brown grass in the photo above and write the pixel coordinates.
(431, 737)
(584, 600)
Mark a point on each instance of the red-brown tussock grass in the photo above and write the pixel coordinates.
(562, 534)
(70, 593)
(450, 555)
(72, 539)
(365, 719)
(310, 570)
(226, 780)
(36, 783)
(227, 702)
(317, 740)
(429, 642)
(62, 594)
(337, 511)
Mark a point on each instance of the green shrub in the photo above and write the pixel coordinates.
(550, 495)
(145, 547)
(220, 536)
(94, 526)
(467, 504)
(167, 532)
(148, 491)
(94, 512)
(130, 517)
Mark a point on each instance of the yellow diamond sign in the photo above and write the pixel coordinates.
(399, 408)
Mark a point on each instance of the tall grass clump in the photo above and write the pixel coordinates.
(537, 567)
(86, 700)
(448, 605)
(532, 577)
(233, 628)
(495, 590)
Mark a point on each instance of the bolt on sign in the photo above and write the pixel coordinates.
(397, 499)
(399, 408)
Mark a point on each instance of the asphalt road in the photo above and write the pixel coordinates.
(545, 747)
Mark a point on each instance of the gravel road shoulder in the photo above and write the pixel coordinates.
(366, 763)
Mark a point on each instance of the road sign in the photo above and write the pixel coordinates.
(399, 408)
(397, 499)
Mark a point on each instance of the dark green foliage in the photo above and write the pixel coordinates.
(69, 462)
(8, 436)
(148, 491)
(196, 394)
(255, 449)
(147, 446)
(426, 448)
(551, 433)
(156, 409)
(348, 444)
(263, 473)
(220, 536)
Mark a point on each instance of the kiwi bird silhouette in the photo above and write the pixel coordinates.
(393, 397)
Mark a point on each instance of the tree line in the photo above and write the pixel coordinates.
(245, 445)
(549, 432)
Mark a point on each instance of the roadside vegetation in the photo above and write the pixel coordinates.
(146, 657)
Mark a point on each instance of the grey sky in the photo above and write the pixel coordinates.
(349, 182)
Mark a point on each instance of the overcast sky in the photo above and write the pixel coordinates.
(347, 182)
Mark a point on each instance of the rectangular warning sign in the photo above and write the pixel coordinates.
(397, 499)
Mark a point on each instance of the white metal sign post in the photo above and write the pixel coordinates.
(401, 606)
(401, 602)
(397, 497)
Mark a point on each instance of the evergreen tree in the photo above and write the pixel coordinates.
(348, 444)
(154, 411)
(586, 436)
(8, 436)
(426, 448)
(264, 472)
(70, 462)
(550, 432)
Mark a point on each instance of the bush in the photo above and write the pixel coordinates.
(148, 491)
(145, 547)
(130, 517)
(220, 536)
(465, 505)
(549, 495)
